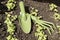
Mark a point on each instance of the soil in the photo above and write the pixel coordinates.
(42, 6)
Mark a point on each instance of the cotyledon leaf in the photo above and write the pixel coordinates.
(24, 19)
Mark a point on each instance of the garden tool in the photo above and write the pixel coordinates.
(24, 19)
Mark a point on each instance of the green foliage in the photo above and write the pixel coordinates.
(40, 33)
(10, 4)
(9, 19)
(53, 7)
(24, 19)
(56, 16)
(9, 23)
(33, 11)
(10, 37)
(55, 10)
(10, 26)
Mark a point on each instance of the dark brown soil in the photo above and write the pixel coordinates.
(42, 6)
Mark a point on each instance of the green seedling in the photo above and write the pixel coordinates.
(9, 20)
(10, 4)
(40, 33)
(55, 10)
(9, 23)
(24, 19)
(52, 6)
(10, 37)
(10, 26)
(33, 11)
(13, 17)
(56, 16)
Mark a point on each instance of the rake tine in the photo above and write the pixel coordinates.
(46, 28)
(49, 26)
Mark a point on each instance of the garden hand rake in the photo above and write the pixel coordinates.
(44, 24)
